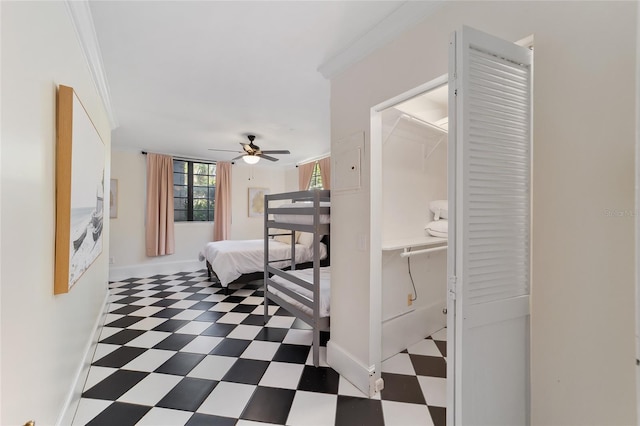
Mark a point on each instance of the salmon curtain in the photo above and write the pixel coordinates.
(222, 208)
(325, 172)
(304, 175)
(159, 224)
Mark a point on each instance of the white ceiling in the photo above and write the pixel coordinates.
(185, 76)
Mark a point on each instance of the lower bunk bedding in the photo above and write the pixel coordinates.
(229, 260)
(296, 293)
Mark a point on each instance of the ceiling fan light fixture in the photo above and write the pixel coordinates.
(251, 159)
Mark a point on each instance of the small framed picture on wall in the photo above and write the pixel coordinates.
(256, 201)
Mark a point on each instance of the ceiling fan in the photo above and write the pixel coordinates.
(252, 153)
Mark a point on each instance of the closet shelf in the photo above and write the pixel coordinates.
(405, 243)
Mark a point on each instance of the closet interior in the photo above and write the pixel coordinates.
(414, 219)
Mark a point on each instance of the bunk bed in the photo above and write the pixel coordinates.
(304, 293)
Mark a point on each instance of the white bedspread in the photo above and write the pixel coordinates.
(231, 258)
(307, 275)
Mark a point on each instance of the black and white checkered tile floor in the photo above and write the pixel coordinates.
(176, 351)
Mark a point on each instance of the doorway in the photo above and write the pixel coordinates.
(414, 219)
(409, 142)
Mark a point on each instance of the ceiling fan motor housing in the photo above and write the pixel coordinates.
(253, 149)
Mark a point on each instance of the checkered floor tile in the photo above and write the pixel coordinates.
(175, 350)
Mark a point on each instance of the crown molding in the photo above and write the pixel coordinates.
(85, 31)
(408, 14)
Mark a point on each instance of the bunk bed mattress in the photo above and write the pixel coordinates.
(307, 275)
(302, 219)
(230, 259)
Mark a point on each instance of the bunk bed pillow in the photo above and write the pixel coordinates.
(440, 209)
(306, 239)
(438, 228)
(284, 238)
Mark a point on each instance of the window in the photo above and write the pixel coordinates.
(316, 178)
(194, 188)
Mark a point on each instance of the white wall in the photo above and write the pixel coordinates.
(291, 179)
(44, 337)
(244, 177)
(582, 357)
(127, 230)
(410, 181)
(404, 325)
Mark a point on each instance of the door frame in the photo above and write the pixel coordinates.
(375, 218)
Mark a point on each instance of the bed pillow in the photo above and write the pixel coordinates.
(440, 209)
(284, 238)
(438, 228)
(306, 239)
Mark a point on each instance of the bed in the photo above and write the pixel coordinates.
(304, 293)
(243, 260)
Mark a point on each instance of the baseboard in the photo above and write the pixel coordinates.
(73, 399)
(359, 375)
(142, 270)
(403, 331)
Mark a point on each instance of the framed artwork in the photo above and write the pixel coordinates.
(256, 201)
(113, 199)
(80, 158)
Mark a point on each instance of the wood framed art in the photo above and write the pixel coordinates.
(256, 201)
(113, 198)
(80, 159)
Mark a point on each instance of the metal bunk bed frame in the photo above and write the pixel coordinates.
(318, 230)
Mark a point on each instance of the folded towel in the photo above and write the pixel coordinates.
(440, 209)
(438, 228)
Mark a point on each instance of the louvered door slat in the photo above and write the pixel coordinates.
(497, 170)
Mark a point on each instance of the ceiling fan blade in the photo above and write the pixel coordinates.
(266, 157)
(277, 151)
(223, 150)
(238, 157)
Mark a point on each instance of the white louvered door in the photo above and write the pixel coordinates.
(489, 241)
